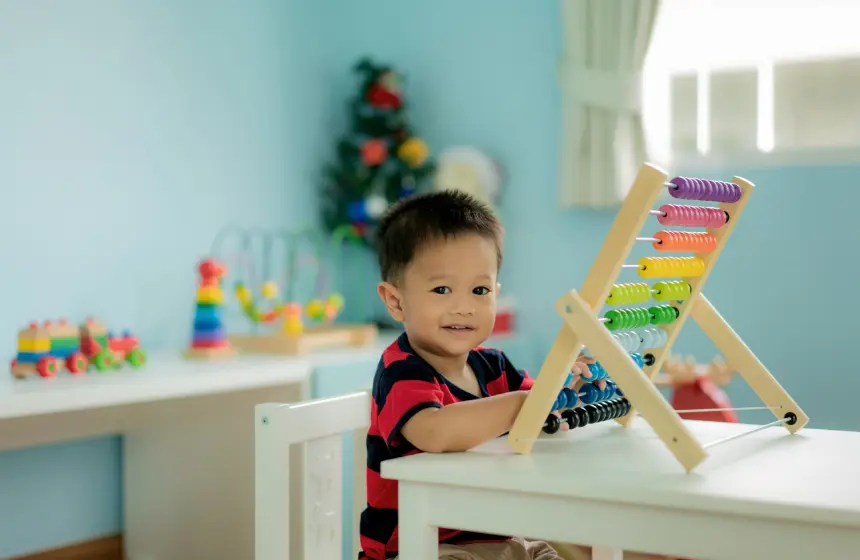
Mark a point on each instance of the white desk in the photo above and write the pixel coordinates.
(768, 495)
(188, 442)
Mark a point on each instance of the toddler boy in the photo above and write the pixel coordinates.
(436, 389)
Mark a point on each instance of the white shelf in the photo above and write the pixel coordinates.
(167, 376)
(161, 378)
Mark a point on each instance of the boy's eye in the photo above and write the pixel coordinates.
(481, 291)
(442, 290)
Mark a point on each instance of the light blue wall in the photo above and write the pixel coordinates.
(254, 92)
(131, 132)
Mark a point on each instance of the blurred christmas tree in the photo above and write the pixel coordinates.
(379, 161)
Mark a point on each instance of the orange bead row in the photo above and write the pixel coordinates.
(679, 241)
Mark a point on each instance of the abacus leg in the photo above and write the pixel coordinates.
(742, 359)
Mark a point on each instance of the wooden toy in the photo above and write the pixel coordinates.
(634, 359)
(297, 325)
(677, 372)
(48, 348)
(209, 339)
(697, 392)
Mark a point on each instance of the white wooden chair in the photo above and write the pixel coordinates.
(298, 481)
(299, 455)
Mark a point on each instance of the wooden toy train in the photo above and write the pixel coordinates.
(46, 349)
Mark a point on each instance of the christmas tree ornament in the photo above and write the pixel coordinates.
(413, 151)
(374, 151)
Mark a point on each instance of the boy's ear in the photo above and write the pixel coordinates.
(390, 296)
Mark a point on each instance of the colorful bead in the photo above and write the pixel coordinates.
(683, 241)
(597, 371)
(628, 340)
(652, 337)
(640, 361)
(668, 267)
(589, 393)
(566, 399)
(627, 318)
(692, 216)
(705, 189)
(663, 314)
(673, 290)
(628, 294)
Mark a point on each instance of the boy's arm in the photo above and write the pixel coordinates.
(464, 425)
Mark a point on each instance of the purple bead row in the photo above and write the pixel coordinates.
(705, 189)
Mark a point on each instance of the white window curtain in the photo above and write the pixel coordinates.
(603, 142)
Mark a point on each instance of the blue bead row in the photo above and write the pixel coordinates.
(590, 394)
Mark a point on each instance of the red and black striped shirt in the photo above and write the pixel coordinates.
(405, 384)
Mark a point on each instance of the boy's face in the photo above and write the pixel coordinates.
(447, 297)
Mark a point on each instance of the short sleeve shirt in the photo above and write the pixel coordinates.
(404, 385)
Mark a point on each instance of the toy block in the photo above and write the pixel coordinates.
(210, 295)
(27, 344)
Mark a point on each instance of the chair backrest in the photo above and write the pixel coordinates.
(299, 474)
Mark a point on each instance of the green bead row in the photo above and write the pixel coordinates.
(639, 292)
(629, 294)
(662, 314)
(636, 317)
(673, 290)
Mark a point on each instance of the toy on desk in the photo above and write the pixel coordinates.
(290, 314)
(51, 347)
(209, 338)
(632, 340)
(294, 323)
(697, 392)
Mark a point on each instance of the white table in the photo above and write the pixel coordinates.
(767, 495)
(188, 448)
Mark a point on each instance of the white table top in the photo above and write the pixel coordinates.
(163, 377)
(809, 477)
(169, 376)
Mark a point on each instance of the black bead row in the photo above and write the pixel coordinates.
(588, 414)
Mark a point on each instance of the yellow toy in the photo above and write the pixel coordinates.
(631, 342)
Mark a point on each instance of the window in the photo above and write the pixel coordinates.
(734, 78)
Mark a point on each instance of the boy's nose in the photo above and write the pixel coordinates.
(464, 308)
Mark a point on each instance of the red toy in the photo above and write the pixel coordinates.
(699, 387)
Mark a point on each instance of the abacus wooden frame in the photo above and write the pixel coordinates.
(582, 328)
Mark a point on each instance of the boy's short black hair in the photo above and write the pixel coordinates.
(412, 222)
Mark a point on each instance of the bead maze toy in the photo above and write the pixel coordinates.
(48, 348)
(209, 339)
(634, 360)
(288, 318)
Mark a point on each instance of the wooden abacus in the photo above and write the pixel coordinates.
(633, 389)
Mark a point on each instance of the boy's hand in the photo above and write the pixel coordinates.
(580, 369)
